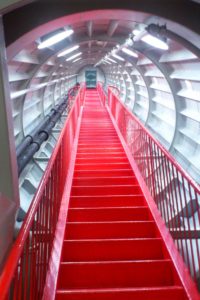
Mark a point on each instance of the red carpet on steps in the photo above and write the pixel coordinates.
(112, 248)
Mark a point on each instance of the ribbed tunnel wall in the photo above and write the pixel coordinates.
(160, 87)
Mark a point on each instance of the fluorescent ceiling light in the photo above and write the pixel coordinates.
(14, 95)
(136, 31)
(71, 76)
(155, 42)
(107, 62)
(76, 60)
(55, 39)
(129, 52)
(73, 56)
(112, 60)
(97, 64)
(128, 42)
(117, 56)
(36, 87)
(65, 52)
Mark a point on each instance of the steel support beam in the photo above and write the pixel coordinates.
(164, 32)
(9, 197)
(166, 70)
(89, 26)
(184, 12)
(112, 27)
(146, 82)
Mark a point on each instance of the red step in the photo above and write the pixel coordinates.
(112, 274)
(100, 154)
(98, 137)
(125, 180)
(107, 201)
(100, 149)
(105, 190)
(102, 166)
(103, 160)
(93, 141)
(153, 293)
(85, 144)
(112, 249)
(100, 133)
(102, 214)
(110, 230)
(103, 173)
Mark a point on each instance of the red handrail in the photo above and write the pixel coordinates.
(175, 193)
(115, 90)
(30, 253)
(101, 92)
(167, 154)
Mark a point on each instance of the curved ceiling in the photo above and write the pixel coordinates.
(160, 87)
(38, 12)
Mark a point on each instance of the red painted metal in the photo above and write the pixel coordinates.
(164, 293)
(52, 275)
(112, 246)
(175, 194)
(115, 90)
(25, 270)
(93, 230)
(115, 274)
(101, 93)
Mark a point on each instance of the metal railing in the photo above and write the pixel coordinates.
(176, 195)
(25, 270)
(101, 93)
(174, 192)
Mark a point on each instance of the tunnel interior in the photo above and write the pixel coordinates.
(160, 86)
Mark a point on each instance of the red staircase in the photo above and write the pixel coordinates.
(112, 247)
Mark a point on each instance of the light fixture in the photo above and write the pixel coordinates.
(32, 88)
(117, 56)
(129, 52)
(111, 60)
(17, 94)
(65, 52)
(73, 56)
(155, 42)
(150, 39)
(55, 39)
(128, 42)
(107, 62)
(136, 31)
(76, 60)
